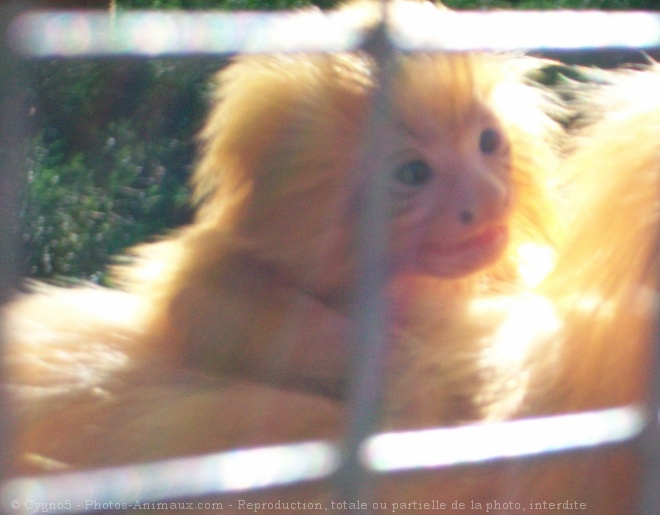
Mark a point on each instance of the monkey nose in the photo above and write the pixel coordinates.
(486, 204)
(466, 216)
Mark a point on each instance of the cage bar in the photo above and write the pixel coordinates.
(11, 165)
(93, 34)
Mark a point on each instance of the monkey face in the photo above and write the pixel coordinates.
(290, 143)
(451, 192)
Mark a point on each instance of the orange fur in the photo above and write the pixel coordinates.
(244, 318)
(604, 282)
(269, 277)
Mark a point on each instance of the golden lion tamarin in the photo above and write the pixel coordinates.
(518, 285)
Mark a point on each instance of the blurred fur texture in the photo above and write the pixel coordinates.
(236, 331)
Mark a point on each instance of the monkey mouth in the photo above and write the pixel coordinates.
(481, 241)
(465, 256)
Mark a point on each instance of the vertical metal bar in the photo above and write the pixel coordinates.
(11, 163)
(650, 442)
(366, 382)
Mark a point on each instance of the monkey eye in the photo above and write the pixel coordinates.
(413, 173)
(489, 141)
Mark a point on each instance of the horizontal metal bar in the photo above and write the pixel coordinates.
(79, 34)
(443, 447)
(527, 30)
(215, 474)
(253, 469)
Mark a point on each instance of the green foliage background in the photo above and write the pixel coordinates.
(111, 149)
(113, 143)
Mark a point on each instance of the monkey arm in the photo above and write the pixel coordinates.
(250, 323)
(158, 417)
